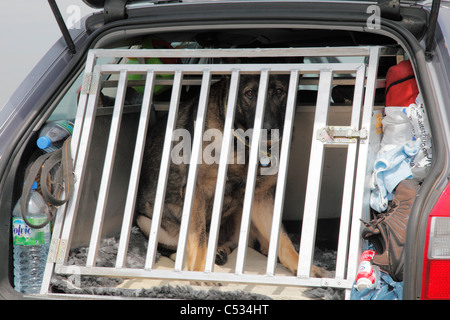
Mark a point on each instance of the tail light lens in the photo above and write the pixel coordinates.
(436, 268)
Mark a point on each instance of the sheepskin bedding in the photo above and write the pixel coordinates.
(169, 289)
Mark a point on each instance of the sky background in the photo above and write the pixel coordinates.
(27, 31)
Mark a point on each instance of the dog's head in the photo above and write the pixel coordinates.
(275, 107)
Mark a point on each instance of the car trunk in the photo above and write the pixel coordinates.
(324, 174)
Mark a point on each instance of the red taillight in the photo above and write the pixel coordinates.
(436, 267)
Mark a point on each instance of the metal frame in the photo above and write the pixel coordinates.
(356, 168)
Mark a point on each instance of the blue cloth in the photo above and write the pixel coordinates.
(389, 290)
(390, 168)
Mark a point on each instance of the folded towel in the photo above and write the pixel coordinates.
(391, 167)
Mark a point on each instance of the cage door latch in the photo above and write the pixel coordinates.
(341, 134)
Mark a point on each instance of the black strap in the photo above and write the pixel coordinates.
(63, 178)
(398, 82)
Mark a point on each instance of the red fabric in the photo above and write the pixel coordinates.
(403, 93)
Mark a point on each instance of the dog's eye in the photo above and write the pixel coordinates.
(250, 93)
(279, 91)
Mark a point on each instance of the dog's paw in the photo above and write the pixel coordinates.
(319, 272)
(221, 256)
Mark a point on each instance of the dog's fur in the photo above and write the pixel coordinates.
(262, 210)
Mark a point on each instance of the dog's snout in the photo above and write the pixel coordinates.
(272, 132)
(270, 124)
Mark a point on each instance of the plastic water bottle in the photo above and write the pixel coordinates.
(53, 134)
(368, 275)
(30, 246)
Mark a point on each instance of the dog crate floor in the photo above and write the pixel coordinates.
(255, 263)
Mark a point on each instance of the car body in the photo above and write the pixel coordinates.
(37, 97)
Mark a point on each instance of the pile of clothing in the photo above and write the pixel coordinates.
(401, 164)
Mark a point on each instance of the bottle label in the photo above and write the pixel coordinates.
(365, 269)
(66, 124)
(367, 255)
(25, 236)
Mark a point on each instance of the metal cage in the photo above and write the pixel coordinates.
(354, 137)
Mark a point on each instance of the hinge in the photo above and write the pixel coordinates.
(86, 85)
(61, 251)
(51, 257)
(341, 134)
(90, 83)
(55, 249)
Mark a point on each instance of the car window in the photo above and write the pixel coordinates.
(67, 107)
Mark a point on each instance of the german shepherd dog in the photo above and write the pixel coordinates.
(263, 202)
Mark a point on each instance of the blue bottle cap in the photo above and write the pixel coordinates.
(34, 185)
(44, 142)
